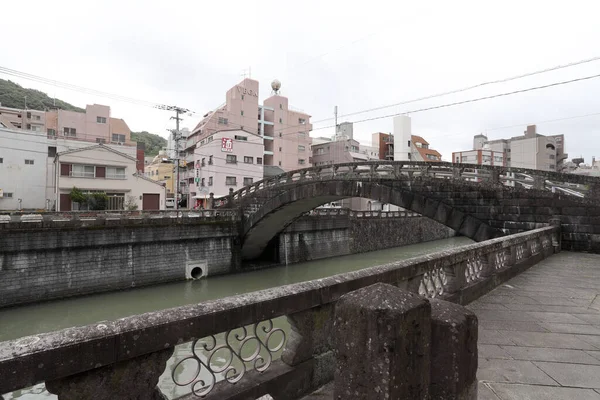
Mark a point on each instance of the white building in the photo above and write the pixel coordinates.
(101, 169)
(228, 159)
(402, 137)
(27, 167)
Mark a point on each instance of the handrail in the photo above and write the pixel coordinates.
(447, 274)
(396, 169)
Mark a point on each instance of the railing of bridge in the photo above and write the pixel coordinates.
(111, 217)
(242, 346)
(569, 184)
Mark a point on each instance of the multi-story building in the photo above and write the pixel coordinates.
(162, 169)
(403, 145)
(344, 131)
(229, 159)
(28, 170)
(532, 150)
(282, 130)
(101, 169)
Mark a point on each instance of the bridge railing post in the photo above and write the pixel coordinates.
(310, 337)
(557, 236)
(539, 182)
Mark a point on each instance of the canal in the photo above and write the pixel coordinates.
(50, 316)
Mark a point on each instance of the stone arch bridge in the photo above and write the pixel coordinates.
(480, 202)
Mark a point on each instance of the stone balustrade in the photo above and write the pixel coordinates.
(569, 184)
(239, 347)
(18, 220)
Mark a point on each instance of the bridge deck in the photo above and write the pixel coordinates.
(539, 334)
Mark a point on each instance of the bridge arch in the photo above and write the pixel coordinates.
(279, 208)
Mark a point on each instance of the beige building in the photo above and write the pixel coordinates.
(162, 169)
(101, 169)
(532, 151)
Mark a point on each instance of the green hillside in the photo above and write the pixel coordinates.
(14, 95)
(154, 143)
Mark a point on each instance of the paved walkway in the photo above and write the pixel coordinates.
(539, 334)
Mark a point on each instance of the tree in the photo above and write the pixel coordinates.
(14, 95)
(154, 143)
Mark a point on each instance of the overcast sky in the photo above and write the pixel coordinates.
(356, 55)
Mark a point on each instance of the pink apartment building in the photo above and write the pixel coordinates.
(282, 132)
(94, 125)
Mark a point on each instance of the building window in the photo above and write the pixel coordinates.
(230, 181)
(223, 121)
(280, 163)
(231, 159)
(116, 172)
(281, 120)
(28, 115)
(202, 182)
(258, 160)
(354, 149)
(301, 161)
(28, 162)
(301, 121)
(302, 134)
(552, 156)
(280, 106)
(280, 149)
(51, 132)
(1, 160)
(37, 118)
(202, 163)
(498, 158)
(301, 148)
(83, 171)
(552, 166)
(409, 143)
(8, 195)
(242, 97)
(244, 138)
(319, 151)
(210, 162)
(51, 151)
(210, 181)
(101, 120)
(242, 112)
(279, 134)
(247, 181)
(248, 160)
(100, 140)
(70, 132)
(117, 138)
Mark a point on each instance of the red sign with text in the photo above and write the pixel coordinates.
(227, 145)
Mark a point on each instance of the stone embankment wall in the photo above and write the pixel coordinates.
(42, 264)
(312, 238)
(46, 260)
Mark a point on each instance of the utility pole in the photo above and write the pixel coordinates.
(336, 124)
(177, 134)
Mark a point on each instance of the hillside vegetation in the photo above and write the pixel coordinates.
(14, 95)
(154, 143)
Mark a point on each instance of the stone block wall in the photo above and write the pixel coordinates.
(313, 238)
(47, 264)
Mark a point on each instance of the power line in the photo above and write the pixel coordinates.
(502, 80)
(470, 100)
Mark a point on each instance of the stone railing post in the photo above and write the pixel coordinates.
(539, 182)
(382, 344)
(211, 201)
(132, 379)
(310, 338)
(453, 352)
(230, 197)
(488, 264)
(455, 274)
(557, 237)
